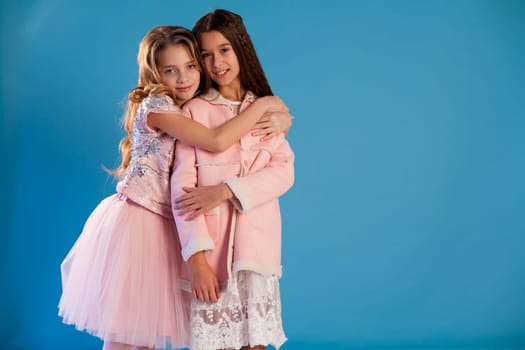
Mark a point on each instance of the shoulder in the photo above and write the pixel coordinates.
(211, 98)
(195, 102)
(153, 104)
(159, 104)
(198, 103)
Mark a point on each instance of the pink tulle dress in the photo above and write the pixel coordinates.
(120, 278)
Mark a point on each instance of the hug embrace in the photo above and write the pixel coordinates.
(187, 252)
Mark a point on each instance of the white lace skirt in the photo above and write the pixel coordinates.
(247, 313)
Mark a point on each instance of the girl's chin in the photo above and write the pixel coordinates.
(185, 96)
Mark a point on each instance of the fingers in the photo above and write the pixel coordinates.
(191, 210)
(217, 292)
(188, 191)
(186, 203)
(272, 122)
(181, 204)
(183, 200)
(264, 124)
(265, 127)
(199, 200)
(208, 293)
(193, 214)
(189, 206)
(259, 132)
(185, 207)
(268, 136)
(200, 294)
(214, 295)
(267, 133)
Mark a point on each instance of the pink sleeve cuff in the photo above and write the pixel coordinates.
(240, 199)
(197, 245)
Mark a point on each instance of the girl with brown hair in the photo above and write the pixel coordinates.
(233, 251)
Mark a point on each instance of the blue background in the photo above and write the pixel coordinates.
(406, 223)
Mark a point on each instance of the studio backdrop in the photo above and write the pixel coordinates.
(406, 222)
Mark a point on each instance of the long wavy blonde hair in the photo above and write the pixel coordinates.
(150, 82)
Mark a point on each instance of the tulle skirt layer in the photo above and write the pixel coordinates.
(119, 280)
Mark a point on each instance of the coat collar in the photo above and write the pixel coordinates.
(213, 96)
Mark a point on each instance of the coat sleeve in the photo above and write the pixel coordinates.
(193, 235)
(267, 183)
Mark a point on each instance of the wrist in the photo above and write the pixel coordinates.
(197, 259)
(227, 193)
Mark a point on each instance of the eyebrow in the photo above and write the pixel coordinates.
(220, 47)
(174, 66)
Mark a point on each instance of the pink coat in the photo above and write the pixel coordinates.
(256, 172)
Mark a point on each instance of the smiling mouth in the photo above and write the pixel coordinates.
(221, 73)
(184, 88)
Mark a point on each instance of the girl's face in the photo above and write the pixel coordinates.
(179, 71)
(220, 61)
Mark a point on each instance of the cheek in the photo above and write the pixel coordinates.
(237, 65)
(168, 81)
(164, 79)
(207, 65)
(196, 76)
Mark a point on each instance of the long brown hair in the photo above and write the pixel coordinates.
(150, 82)
(232, 27)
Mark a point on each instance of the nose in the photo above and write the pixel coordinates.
(216, 61)
(181, 77)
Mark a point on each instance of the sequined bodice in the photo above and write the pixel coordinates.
(147, 178)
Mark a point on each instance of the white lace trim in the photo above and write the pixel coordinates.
(248, 313)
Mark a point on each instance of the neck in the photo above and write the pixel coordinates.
(233, 91)
(179, 102)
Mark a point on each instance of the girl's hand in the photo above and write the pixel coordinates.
(273, 123)
(204, 283)
(200, 200)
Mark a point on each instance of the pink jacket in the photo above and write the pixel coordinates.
(256, 172)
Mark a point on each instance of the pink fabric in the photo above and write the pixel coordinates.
(119, 279)
(146, 181)
(257, 172)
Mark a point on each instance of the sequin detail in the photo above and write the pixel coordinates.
(146, 180)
